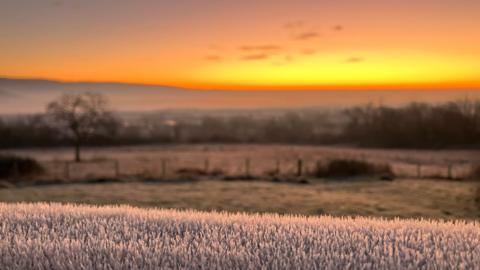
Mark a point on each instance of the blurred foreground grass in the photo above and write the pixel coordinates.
(402, 198)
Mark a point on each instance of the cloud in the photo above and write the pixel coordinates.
(307, 35)
(338, 28)
(294, 24)
(259, 52)
(260, 48)
(259, 56)
(213, 58)
(354, 60)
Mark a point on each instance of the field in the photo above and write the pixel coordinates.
(43, 236)
(400, 198)
(405, 197)
(157, 160)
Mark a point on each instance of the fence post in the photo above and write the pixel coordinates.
(277, 167)
(247, 167)
(15, 170)
(117, 168)
(299, 167)
(318, 168)
(473, 169)
(419, 171)
(164, 168)
(67, 170)
(207, 165)
(449, 172)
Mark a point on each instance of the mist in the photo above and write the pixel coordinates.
(21, 96)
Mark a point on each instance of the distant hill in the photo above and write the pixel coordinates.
(31, 95)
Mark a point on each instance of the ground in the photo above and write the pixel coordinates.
(407, 196)
(157, 160)
(63, 236)
(400, 198)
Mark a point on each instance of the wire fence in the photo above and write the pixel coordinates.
(238, 166)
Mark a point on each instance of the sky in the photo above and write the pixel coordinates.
(245, 45)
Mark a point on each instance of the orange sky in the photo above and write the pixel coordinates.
(252, 44)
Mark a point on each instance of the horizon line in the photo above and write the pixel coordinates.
(447, 86)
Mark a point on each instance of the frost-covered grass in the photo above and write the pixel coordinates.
(54, 236)
(401, 198)
(230, 158)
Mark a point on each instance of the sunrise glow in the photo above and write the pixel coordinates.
(246, 44)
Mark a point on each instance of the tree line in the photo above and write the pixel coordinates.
(450, 125)
(85, 120)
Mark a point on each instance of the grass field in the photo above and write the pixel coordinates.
(230, 159)
(42, 236)
(402, 198)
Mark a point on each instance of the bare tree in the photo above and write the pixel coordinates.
(82, 116)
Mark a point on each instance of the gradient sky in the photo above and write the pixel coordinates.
(248, 44)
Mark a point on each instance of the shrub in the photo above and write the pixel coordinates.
(475, 174)
(191, 171)
(199, 172)
(352, 167)
(13, 166)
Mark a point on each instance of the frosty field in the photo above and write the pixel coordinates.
(400, 198)
(404, 197)
(54, 236)
(230, 159)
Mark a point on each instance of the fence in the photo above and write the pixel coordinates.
(82, 170)
(233, 167)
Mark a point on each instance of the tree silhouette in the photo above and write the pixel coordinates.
(82, 116)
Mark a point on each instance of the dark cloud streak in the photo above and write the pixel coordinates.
(253, 57)
(338, 28)
(260, 48)
(307, 35)
(354, 60)
(294, 24)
